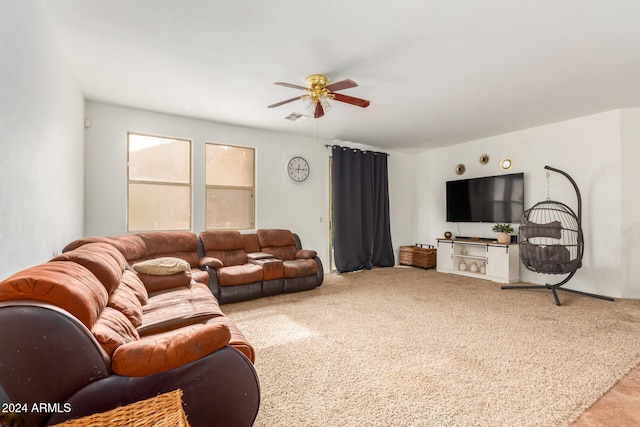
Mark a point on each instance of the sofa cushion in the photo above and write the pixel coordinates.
(281, 252)
(163, 266)
(275, 237)
(131, 280)
(163, 352)
(551, 229)
(230, 258)
(155, 283)
(239, 275)
(194, 292)
(300, 268)
(125, 301)
(279, 243)
(177, 244)
(65, 284)
(251, 243)
(221, 240)
(200, 276)
(178, 307)
(226, 245)
(102, 259)
(131, 246)
(113, 329)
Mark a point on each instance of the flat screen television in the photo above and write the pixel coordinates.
(497, 198)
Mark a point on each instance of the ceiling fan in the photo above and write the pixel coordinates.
(319, 92)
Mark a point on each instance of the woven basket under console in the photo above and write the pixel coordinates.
(164, 410)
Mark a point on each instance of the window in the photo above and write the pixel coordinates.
(230, 187)
(159, 183)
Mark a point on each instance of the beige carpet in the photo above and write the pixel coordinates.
(410, 347)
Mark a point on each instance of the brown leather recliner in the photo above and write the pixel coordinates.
(236, 262)
(302, 268)
(232, 276)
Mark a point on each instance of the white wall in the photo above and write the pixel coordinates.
(41, 135)
(43, 165)
(630, 221)
(590, 150)
(303, 208)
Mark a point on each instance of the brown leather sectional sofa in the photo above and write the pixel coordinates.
(268, 262)
(114, 320)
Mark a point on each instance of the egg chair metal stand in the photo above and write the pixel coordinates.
(552, 242)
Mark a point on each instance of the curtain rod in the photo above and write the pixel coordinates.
(356, 149)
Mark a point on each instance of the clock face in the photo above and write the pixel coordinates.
(298, 169)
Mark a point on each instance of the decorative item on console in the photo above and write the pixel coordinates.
(504, 231)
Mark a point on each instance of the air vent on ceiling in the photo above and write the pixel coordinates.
(295, 117)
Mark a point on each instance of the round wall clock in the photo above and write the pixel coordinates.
(298, 169)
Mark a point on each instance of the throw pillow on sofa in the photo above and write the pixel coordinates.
(163, 273)
(163, 266)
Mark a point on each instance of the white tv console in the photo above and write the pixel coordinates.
(501, 261)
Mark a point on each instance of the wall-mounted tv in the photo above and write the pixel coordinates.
(497, 198)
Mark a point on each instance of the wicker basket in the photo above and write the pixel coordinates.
(164, 410)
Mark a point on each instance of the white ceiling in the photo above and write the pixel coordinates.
(437, 72)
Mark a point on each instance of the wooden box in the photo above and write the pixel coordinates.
(418, 256)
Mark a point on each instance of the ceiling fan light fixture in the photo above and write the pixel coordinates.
(310, 102)
(320, 92)
(324, 101)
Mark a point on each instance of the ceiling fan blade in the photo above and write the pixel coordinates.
(351, 100)
(290, 85)
(342, 84)
(319, 111)
(277, 104)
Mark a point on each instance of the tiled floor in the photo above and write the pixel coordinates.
(619, 407)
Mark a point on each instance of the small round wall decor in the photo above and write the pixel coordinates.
(298, 169)
(505, 164)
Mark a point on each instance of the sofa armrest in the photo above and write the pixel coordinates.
(210, 261)
(205, 400)
(170, 350)
(306, 254)
(214, 285)
(47, 354)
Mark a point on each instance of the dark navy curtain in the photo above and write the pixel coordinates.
(361, 224)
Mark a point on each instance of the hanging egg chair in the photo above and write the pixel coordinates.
(551, 241)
